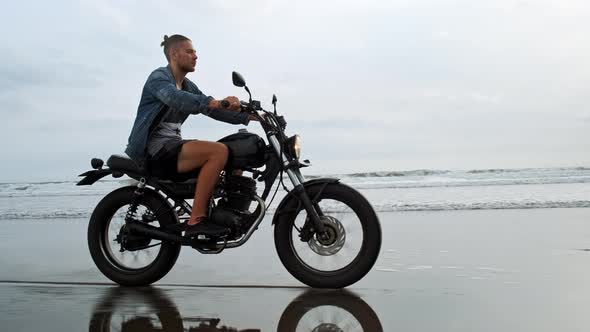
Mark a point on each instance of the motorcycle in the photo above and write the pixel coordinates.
(326, 234)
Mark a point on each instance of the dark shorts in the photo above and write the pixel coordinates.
(166, 162)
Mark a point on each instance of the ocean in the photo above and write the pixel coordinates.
(388, 191)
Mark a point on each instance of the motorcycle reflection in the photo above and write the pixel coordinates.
(149, 310)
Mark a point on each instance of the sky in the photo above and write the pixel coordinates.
(369, 85)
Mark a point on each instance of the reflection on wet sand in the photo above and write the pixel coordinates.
(149, 309)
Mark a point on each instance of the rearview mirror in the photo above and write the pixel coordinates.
(238, 79)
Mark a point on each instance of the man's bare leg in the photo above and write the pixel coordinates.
(211, 158)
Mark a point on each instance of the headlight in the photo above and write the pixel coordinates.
(294, 146)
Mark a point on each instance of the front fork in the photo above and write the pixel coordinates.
(312, 208)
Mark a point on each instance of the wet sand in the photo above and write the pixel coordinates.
(451, 271)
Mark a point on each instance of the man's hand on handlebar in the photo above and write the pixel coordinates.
(231, 103)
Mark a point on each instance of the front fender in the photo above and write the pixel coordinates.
(291, 201)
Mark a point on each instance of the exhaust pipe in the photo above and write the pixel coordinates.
(153, 232)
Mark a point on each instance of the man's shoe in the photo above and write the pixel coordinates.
(205, 227)
(177, 227)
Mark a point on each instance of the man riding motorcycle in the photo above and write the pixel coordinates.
(167, 99)
(326, 233)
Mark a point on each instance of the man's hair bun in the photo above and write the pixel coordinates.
(165, 40)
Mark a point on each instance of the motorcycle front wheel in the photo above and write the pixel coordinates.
(138, 261)
(342, 256)
(329, 310)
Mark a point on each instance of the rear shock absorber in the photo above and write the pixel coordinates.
(137, 195)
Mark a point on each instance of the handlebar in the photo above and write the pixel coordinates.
(254, 105)
(252, 108)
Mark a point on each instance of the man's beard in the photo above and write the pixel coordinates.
(187, 68)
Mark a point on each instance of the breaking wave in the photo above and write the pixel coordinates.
(387, 207)
(388, 191)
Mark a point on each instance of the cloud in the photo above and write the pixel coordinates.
(395, 80)
(109, 10)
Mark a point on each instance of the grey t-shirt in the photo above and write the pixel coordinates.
(167, 135)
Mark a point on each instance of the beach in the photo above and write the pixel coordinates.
(484, 270)
(461, 125)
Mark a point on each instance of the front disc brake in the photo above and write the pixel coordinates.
(330, 242)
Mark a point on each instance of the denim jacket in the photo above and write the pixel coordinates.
(160, 91)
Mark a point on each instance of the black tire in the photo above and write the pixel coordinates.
(358, 267)
(120, 304)
(103, 257)
(366, 319)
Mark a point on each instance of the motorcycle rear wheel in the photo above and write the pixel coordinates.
(320, 265)
(103, 250)
(135, 309)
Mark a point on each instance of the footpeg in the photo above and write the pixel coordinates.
(205, 238)
(206, 245)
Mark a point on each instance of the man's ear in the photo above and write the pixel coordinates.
(173, 53)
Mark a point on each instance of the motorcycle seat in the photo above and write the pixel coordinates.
(126, 165)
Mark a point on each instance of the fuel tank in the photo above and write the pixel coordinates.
(246, 150)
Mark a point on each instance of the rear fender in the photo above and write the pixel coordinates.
(290, 203)
(92, 176)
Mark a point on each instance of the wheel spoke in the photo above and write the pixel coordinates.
(344, 242)
(139, 258)
(328, 315)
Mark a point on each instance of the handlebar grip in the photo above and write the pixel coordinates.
(224, 103)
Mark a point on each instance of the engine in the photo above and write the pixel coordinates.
(232, 209)
(240, 192)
